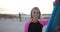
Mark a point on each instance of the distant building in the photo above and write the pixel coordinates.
(45, 16)
(8, 16)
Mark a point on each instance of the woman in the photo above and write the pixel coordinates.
(35, 24)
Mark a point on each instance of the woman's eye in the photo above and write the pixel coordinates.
(34, 12)
(37, 12)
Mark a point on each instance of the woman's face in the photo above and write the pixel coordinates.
(35, 14)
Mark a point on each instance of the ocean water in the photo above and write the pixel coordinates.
(11, 25)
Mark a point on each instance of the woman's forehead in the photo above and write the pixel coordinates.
(35, 10)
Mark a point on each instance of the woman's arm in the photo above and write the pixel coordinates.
(26, 26)
(44, 22)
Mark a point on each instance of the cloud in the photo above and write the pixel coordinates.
(3, 9)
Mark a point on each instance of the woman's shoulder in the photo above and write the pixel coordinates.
(27, 22)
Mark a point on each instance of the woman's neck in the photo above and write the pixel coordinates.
(34, 21)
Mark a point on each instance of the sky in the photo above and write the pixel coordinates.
(25, 6)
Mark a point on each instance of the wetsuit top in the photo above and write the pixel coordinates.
(35, 27)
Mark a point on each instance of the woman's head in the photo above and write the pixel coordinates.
(35, 13)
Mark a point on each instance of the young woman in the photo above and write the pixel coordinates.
(35, 24)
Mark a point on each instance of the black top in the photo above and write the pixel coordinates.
(35, 27)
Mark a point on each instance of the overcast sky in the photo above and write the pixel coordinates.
(25, 6)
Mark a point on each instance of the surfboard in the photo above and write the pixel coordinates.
(54, 22)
